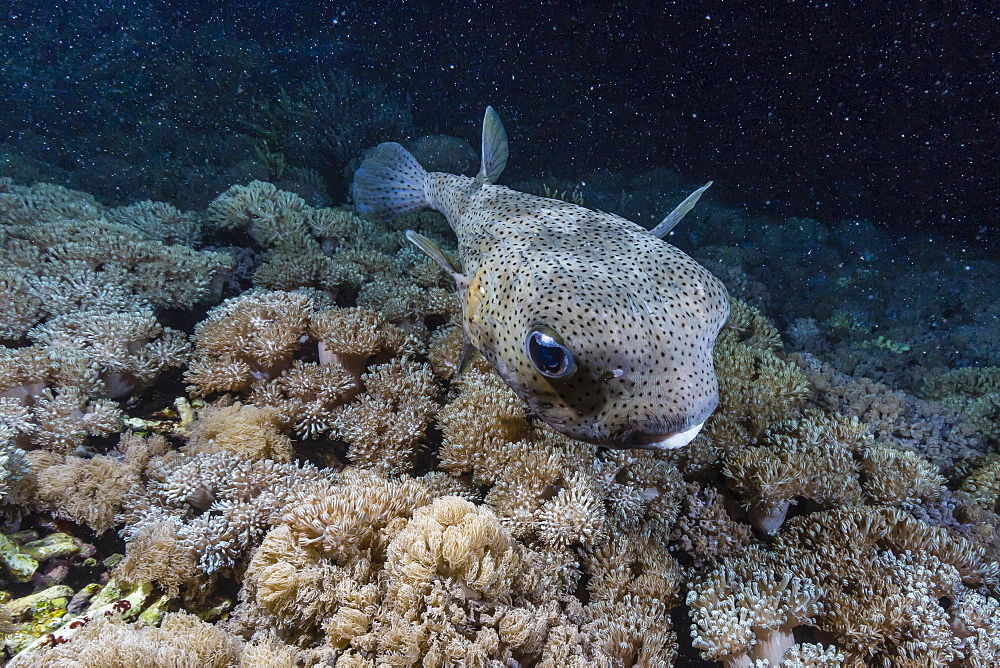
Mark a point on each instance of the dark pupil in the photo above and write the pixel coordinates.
(549, 356)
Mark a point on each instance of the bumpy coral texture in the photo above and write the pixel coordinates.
(180, 640)
(348, 498)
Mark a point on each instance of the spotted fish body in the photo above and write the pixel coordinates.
(544, 281)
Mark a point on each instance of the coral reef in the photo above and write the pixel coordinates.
(337, 493)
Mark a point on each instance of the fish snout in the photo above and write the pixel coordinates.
(670, 441)
(660, 432)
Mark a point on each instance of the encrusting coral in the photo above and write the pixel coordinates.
(337, 493)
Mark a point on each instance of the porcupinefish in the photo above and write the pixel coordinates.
(602, 328)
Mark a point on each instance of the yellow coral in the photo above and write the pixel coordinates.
(251, 430)
(450, 539)
(180, 640)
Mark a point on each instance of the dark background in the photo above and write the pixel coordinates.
(885, 111)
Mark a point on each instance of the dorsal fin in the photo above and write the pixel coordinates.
(670, 222)
(494, 149)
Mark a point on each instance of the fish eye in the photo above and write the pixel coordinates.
(548, 353)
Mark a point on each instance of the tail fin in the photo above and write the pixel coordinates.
(389, 183)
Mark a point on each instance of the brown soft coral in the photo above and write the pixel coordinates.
(454, 540)
(900, 478)
(449, 556)
(972, 391)
(757, 388)
(634, 584)
(983, 486)
(254, 345)
(15, 469)
(549, 490)
(308, 247)
(60, 421)
(128, 350)
(251, 338)
(884, 576)
(249, 430)
(387, 423)
(91, 491)
(745, 609)
(704, 532)
(61, 255)
(350, 337)
(180, 640)
(343, 518)
(220, 504)
(896, 419)
(811, 459)
(319, 557)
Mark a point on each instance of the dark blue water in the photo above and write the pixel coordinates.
(878, 111)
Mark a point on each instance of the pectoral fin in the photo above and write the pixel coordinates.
(438, 254)
(469, 356)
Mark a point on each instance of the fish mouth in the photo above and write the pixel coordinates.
(677, 439)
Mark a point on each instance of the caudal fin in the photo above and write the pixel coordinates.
(389, 183)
